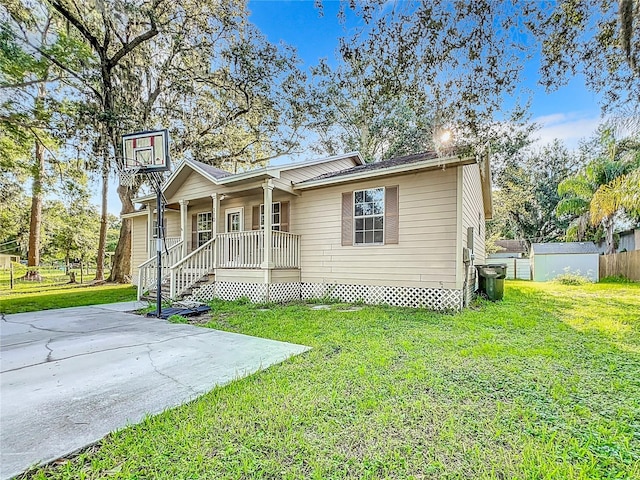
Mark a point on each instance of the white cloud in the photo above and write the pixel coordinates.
(568, 127)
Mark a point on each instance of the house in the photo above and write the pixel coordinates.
(403, 231)
(548, 260)
(626, 241)
(509, 249)
(513, 253)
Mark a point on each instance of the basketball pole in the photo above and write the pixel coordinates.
(159, 241)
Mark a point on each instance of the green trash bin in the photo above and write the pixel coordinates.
(491, 280)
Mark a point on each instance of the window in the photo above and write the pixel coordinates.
(155, 228)
(275, 216)
(204, 227)
(368, 214)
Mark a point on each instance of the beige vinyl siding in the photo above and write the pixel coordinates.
(138, 244)
(473, 210)
(172, 221)
(240, 275)
(287, 275)
(194, 186)
(235, 202)
(248, 202)
(305, 173)
(245, 275)
(425, 255)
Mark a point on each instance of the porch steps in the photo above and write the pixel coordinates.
(205, 279)
(152, 293)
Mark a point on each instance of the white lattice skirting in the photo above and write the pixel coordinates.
(415, 297)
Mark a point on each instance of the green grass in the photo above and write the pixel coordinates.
(544, 385)
(52, 279)
(62, 296)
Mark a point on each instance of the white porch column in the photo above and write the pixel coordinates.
(149, 228)
(268, 200)
(183, 225)
(215, 209)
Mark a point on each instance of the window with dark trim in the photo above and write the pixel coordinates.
(368, 215)
(204, 227)
(275, 216)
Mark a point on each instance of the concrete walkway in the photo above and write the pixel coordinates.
(72, 375)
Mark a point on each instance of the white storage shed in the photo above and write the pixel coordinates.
(548, 260)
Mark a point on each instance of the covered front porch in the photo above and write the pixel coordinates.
(213, 243)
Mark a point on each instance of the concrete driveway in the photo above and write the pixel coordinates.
(71, 376)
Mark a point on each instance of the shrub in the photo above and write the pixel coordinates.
(572, 278)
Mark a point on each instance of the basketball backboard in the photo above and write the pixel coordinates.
(146, 151)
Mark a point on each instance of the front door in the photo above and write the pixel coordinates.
(234, 221)
(232, 246)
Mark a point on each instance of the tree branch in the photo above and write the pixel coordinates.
(128, 47)
(81, 27)
(28, 83)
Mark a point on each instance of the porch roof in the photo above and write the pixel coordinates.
(220, 177)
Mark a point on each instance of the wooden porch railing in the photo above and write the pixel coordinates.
(226, 250)
(148, 272)
(192, 268)
(169, 242)
(246, 249)
(285, 250)
(240, 249)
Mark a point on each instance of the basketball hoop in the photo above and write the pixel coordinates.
(128, 176)
(147, 154)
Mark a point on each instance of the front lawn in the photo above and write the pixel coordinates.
(544, 385)
(61, 296)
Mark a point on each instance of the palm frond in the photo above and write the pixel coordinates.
(577, 186)
(572, 206)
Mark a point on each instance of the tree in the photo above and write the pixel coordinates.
(358, 115)
(249, 107)
(25, 78)
(527, 196)
(195, 66)
(592, 197)
(597, 38)
(72, 224)
(450, 64)
(469, 54)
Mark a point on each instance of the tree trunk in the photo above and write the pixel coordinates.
(608, 230)
(102, 240)
(35, 223)
(121, 265)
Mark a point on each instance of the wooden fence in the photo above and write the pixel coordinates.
(625, 264)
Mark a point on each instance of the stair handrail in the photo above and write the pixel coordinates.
(178, 285)
(145, 280)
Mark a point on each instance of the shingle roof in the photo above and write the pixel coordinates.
(213, 171)
(564, 248)
(511, 246)
(367, 167)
